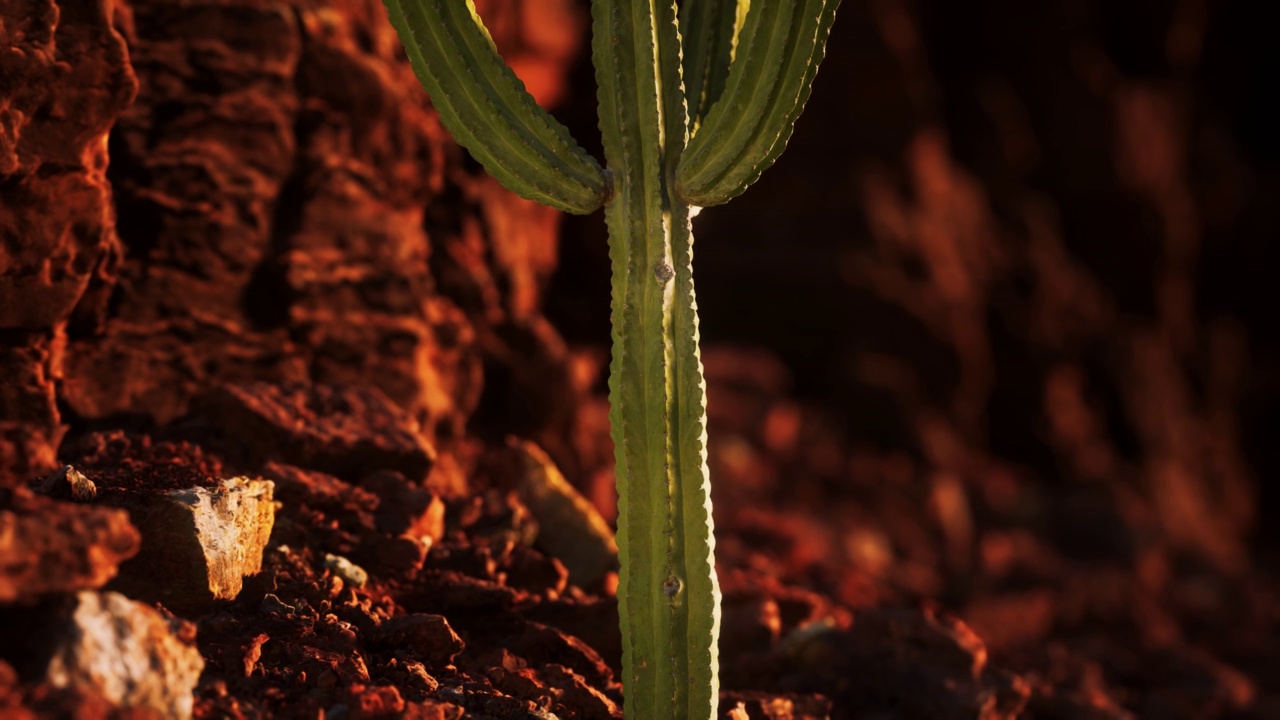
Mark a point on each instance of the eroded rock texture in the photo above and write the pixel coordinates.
(64, 77)
(251, 205)
(290, 210)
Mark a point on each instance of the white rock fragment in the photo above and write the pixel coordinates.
(350, 573)
(126, 652)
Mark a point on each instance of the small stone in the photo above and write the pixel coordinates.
(126, 652)
(419, 679)
(350, 573)
(393, 556)
(69, 484)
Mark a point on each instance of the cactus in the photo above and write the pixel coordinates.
(683, 127)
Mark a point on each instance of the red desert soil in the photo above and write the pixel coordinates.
(301, 415)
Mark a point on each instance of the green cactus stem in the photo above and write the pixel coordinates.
(737, 83)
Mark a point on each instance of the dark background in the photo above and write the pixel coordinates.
(1137, 137)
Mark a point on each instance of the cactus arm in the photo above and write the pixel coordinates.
(487, 109)
(668, 597)
(768, 85)
(708, 32)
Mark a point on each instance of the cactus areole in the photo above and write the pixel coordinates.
(697, 98)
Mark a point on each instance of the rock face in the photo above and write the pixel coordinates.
(66, 79)
(280, 205)
(199, 544)
(125, 652)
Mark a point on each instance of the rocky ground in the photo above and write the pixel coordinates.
(302, 416)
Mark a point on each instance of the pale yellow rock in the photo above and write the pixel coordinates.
(569, 526)
(232, 523)
(199, 544)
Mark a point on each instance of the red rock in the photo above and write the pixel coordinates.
(253, 652)
(327, 669)
(391, 557)
(348, 432)
(412, 677)
(749, 625)
(545, 645)
(71, 78)
(534, 572)
(428, 637)
(573, 690)
(916, 664)
(131, 465)
(405, 508)
(431, 710)
(48, 546)
(351, 505)
(11, 695)
(594, 621)
(30, 424)
(444, 591)
(67, 79)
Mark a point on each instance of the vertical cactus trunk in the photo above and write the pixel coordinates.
(668, 595)
(750, 68)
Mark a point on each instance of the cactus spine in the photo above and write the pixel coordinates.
(742, 81)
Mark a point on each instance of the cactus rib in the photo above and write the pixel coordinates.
(708, 32)
(489, 112)
(768, 86)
